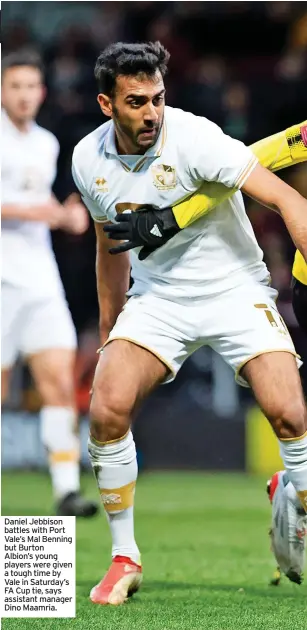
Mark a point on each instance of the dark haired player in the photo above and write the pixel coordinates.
(208, 285)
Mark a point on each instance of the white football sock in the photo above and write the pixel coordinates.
(115, 467)
(58, 426)
(294, 455)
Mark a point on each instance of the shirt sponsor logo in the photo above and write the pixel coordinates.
(101, 184)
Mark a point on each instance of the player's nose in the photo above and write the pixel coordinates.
(151, 114)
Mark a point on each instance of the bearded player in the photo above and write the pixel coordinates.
(288, 535)
(208, 285)
(36, 321)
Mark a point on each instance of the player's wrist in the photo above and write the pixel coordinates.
(170, 225)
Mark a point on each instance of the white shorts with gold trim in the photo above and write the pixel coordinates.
(239, 325)
(30, 324)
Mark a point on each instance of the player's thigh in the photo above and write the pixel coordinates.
(49, 344)
(13, 300)
(126, 373)
(275, 381)
(53, 373)
(257, 345)
(147, 346)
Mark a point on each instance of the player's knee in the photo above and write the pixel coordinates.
(290, 419)
(4, 385)
(110, 415)
(57, 389)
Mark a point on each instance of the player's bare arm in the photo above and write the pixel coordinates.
(113, 276)
(271, 191)
(50, 212)
(70, 216)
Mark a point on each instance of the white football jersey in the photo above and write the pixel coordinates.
(28, 169)
(218, 251)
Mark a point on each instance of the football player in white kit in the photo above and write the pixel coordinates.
(208, 285)
(36, 320)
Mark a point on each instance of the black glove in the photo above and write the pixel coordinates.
(148, 226)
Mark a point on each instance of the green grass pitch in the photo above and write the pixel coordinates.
(205, 552)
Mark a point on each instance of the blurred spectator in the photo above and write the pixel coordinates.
(18, 35)
(203, 90)
(236, 113)
(108, 24)
(290, 87)
(164, 30)
(298, 33)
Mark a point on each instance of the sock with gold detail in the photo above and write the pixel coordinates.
(115, 467)
(58, 433)
(294, 455)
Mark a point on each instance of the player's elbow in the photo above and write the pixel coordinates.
(280, 196)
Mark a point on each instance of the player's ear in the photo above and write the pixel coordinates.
(43, 94)
(105, 104)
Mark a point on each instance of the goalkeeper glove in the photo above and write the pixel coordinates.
(150, 227)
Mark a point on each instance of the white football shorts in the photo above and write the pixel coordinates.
(239, 325)
(30, 325)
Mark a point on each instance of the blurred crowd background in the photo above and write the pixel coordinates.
(241, 64)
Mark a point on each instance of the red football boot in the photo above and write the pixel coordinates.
(123, 578)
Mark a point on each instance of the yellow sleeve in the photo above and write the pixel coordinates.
(275, 152)
(299, 270)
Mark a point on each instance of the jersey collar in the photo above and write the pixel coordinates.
(6, 122)
(153, 152)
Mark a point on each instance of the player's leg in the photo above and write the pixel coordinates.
(125, 375)
(288, 528)
(258, 346)
(281, 491)
(146, 346)
(49, 343)
(5, 382)
(276, 383)
(11, 329)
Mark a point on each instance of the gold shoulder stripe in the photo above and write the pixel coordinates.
(246, 172)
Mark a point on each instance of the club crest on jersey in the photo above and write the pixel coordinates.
(101, 184)
(164, 177)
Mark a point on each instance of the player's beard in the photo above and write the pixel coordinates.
(124, 129)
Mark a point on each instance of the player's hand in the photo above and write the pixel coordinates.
(76, 216)
(150, 227)
(77, 220)
(52, 213)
